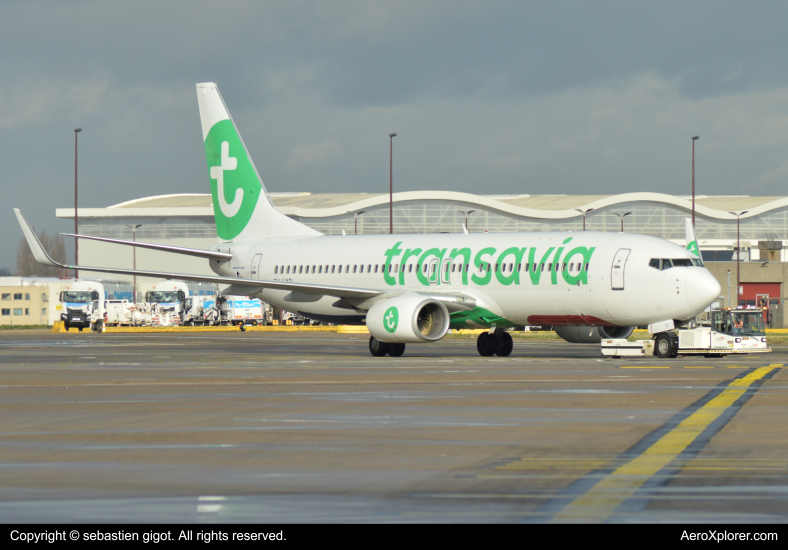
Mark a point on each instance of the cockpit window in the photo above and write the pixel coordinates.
(682, 262)
(665, 263)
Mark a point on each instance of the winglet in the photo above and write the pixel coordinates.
(38, 251)
(691, 239)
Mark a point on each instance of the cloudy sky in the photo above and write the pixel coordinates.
(486, 97)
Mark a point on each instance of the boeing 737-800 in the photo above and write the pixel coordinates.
(414, 288)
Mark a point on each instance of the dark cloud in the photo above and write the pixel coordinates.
(494, 96)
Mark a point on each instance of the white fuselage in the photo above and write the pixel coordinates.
(576, 278)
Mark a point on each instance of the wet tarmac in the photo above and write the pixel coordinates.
(287, 427)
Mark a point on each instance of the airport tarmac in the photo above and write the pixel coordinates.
(308, 427)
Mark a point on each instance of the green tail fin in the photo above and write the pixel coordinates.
(242, 208)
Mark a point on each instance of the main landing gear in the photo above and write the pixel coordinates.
(498, 343)
(380, 349)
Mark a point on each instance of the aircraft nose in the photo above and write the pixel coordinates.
(702, 288)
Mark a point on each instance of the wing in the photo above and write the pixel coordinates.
(209, 254)
(43, 258)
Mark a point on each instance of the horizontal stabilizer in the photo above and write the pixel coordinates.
(210, 254)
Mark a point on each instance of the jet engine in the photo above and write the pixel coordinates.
(408, 319)
(591, 335)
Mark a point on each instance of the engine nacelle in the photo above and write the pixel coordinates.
(408, 319)
(591, 335)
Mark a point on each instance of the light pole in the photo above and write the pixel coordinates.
(76, 214)
(355, 220)
(391, 182)
(738, 251)
(134, 249)
(693, 179)
(584, 212)
(466, 212)
(621, 217)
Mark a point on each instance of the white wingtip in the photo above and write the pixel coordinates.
(38, 251)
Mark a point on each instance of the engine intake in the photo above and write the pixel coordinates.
(591, 335)
(408, 319)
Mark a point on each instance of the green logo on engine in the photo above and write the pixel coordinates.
(390, 319)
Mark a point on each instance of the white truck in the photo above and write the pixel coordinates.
(83, 301)
(169, 298)
(725, 332)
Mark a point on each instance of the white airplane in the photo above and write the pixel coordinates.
(414, 288)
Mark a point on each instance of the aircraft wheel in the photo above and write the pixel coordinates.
(663, 347)
(505, 344)
(80, 329)
(378, 348)
(486, 344)
(396, 350)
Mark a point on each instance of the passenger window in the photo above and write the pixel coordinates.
(276, 269)
(320, 269)
(355, 268)
(288, 270)
(586, 267)
(332, 268)
(339, 270)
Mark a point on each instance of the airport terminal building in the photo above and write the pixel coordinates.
(187, 220)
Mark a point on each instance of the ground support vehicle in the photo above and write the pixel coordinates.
(727, 332)
(83, 301)
(242, 310)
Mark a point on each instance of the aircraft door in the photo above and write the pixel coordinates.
(256, 266)
(617, 270)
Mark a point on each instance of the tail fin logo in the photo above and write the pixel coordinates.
(217, 173)
(235, 186)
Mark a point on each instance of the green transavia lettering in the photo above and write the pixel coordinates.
(486, 263)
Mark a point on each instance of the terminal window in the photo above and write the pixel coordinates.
(18, 296)
(18, 311)
(6, 311)
(6, 296)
